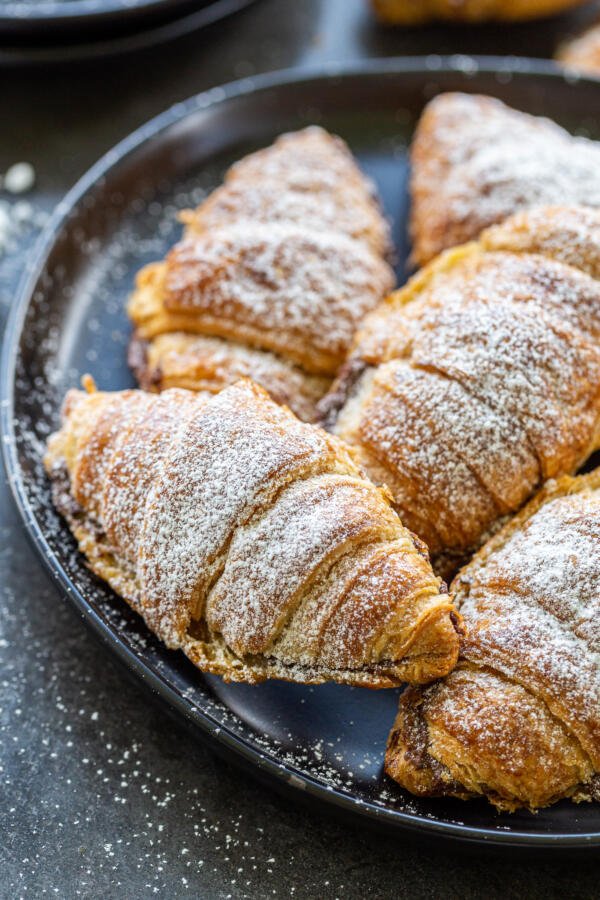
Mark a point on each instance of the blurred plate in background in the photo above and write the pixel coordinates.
(42, 31)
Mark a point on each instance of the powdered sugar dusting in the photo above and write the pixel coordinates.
(137, 459)
(568, 234)
(401, 426)
(231, 457)
(518, 364)
(454, 448)
(310, 524)
(287, 256)
(553, 561)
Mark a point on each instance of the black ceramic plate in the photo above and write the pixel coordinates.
(46, 31)
(325, 743)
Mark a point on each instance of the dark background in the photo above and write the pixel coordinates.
(102, 795)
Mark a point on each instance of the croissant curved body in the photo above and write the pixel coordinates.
(248, 539)
(475, 161)
(480, 379)
(276, 269)
(416, 12)
(518, 720)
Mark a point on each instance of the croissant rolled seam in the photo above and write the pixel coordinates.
(249, 540)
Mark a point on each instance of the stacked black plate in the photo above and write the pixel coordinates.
(53, 30)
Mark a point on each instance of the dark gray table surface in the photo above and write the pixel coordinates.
(102, 795)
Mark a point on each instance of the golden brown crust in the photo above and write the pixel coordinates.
(582, 53)
(417, 12)
(518, 720)
(476, 161)
(480, 379)
(281, 262)
(568, 234)
(209, 364)
(249, 540)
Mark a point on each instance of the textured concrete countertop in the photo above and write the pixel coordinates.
(102, 795)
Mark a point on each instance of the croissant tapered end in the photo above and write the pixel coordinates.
(248, 539)
(307, 177)
(478, 734)
(518, 720)
(476, 161)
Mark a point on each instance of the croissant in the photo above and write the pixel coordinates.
(480, 379)
(247, 539)
(475, 161)
(582, 53)
(416, 12)
(275, 270)
(518, 720)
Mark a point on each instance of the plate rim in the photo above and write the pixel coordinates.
(283, 775)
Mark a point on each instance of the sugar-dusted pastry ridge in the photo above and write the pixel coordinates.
(480, 379)
(275, 270)
(518, 720)
(249, 540)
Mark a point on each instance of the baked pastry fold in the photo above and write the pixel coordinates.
(475, 161)
(275, 270)
(518, 720)
(480, 379)
(417, 12)
(248, 539)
